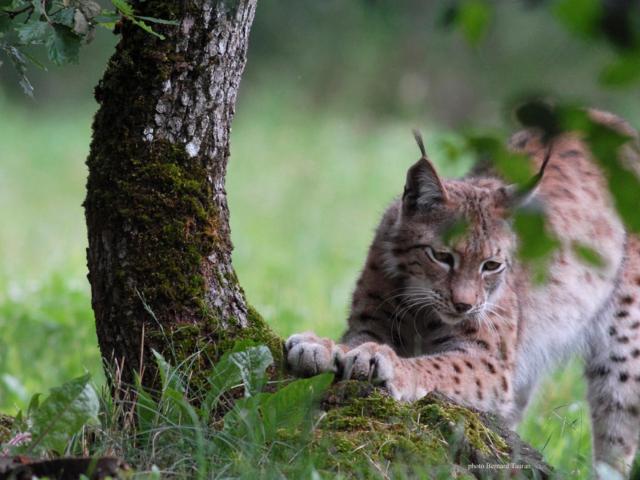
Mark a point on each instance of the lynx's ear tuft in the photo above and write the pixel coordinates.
(423, 189)
(512, 197)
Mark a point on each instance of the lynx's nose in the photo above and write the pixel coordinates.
(462, 307)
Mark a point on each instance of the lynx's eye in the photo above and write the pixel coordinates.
(491, 266)
(441, 257)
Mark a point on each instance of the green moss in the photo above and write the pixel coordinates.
(454, 420)
(364, 426)
(375, 429)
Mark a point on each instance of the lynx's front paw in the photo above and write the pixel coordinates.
(308, 354)
(370, 361)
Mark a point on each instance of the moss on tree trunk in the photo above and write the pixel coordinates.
(159, 251)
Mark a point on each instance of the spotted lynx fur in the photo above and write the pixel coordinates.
(467, 319)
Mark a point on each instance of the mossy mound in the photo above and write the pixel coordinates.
(367, 434)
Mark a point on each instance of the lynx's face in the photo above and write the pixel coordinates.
(453, 243)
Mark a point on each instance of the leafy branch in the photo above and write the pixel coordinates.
(61, 27)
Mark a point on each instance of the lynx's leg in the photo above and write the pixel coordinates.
(613, 374)
(479, 373)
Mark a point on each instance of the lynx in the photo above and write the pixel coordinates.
(465, 317)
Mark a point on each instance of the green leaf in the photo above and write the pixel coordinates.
(127, 11)
(455, 231)
(107, 17)
(146, 409)
(588, 255)
(245, 365)
(605, 144)
(624, 71)
(473, 17)
(147, 28)
(19, 61)
(252, 365)
(581, 17)
(65, 17)
(536, 244)
(169, 375)
(514, 167)
(33, 32)
(538, 114)
(38, 7)
(158, 20)
(62, 414)
(5, 24)
(63, 46)
(34, 403)
(292, 405)
(123, 7)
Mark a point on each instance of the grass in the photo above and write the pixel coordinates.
(305, 194)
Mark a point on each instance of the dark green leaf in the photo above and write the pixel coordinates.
(38, 7)
(538, 114)
(34, 61)
(448, 16)
(5, 24)
(63, 413)
(64, 17)
(33, 32)
(581, 17)
(63, 46)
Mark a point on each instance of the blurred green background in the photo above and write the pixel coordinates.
(320, 145)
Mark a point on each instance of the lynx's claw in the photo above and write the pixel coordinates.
(308, 354)
(370, 361)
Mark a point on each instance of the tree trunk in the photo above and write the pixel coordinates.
(159, 253)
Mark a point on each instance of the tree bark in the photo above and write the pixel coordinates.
(159, 253)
